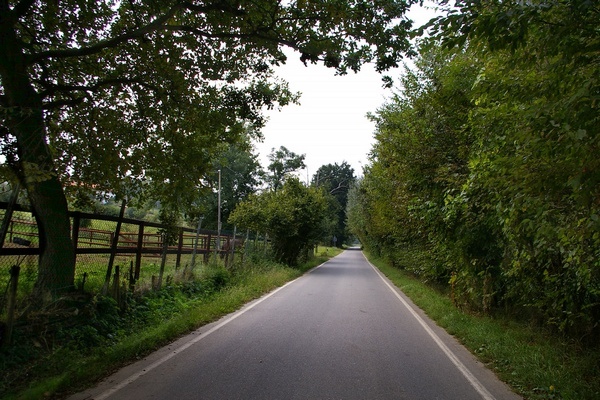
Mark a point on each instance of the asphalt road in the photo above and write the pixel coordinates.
(341, 331)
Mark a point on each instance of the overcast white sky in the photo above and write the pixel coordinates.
(330, 124)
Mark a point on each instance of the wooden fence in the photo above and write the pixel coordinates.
(128, 238)
(144, 240)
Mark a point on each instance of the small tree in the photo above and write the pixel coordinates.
(291, 217)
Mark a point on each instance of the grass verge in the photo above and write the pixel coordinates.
(536, 364)
(68, 368)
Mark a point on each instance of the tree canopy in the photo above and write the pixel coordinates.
(133, 96)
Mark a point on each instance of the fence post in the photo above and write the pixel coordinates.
(12, 303)
(107, 279)
(75, 230)
(116, 285)
(8, 214)
(217, 246)
(245, 253)
(138, 253)
(131, 278)
(83, 281)
(113, 248)
(207, 254)
(179, 249)
(163, 261)
(196, 242)
(233, 244)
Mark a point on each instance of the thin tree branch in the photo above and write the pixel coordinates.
(54, 88)
(340, 186)
(231, 35)
(155, 25)
(63, 102)
(218, 6)
(158, 24)
(86, 89)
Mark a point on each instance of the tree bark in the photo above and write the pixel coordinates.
(25, 120)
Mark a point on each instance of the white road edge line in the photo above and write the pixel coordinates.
(478, 386)
(137, 375)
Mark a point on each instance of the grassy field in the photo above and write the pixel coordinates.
(70, 359)
(536, 364)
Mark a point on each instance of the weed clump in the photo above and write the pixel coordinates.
(72, 329)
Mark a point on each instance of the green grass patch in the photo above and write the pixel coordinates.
(72, 358)
(536, 364)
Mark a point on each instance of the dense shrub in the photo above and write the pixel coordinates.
(488, 161)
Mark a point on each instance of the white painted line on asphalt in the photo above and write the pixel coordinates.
(137, 375)
(478, 386)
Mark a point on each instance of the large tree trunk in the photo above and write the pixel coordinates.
(25, 120)
(56, 269)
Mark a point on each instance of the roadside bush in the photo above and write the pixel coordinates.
(215, 278)
(489, 158)
(291, 216)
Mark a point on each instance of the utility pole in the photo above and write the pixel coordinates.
(218, 242)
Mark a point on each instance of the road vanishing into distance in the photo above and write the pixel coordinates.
(342, 331)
